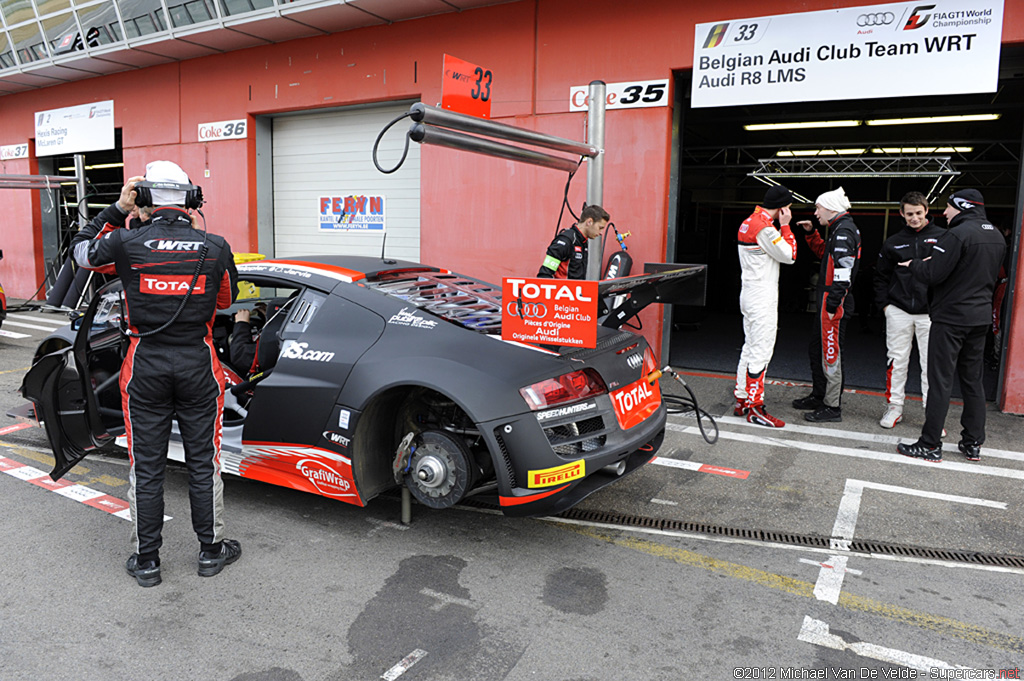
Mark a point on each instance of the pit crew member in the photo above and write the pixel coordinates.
(840, 259)
(762, 248)
(566, 257)
(171, 366)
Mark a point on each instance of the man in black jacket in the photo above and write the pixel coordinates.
(904, 300)
(566, 257)
(840, 259)
(961, 275)
(175, 278)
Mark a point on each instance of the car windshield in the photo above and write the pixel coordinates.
(473, 304)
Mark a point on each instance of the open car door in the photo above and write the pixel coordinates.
(75, 390)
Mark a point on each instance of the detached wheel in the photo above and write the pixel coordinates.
(441, 470)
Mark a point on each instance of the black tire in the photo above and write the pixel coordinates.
(441, 470)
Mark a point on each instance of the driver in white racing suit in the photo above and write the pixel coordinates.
(762, 248)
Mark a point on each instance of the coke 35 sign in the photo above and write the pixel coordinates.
(222, 130)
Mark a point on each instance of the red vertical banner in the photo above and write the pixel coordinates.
(466, 87)
(549, 311)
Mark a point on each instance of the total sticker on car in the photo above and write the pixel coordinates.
(548, 477)
(634, 403)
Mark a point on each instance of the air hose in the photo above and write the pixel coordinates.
(685, 405)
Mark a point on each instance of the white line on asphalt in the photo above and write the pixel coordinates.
(403, 666)
(700, 467)
(830, 577)
(863, 437)
(32, 318)
(664, 502)
(761, 544)
(816, 632)
(8, 322)
(446, 599)
(819, 564)
(12, 334)
(856, 453)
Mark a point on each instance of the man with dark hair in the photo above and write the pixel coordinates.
(904, 300)
(961, 276)
(175, 278)
(840, 259)
(762, 248)
(566, 257)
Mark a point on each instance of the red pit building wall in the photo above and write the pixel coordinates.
(480, 216)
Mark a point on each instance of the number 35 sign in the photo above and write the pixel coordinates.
(632, 95)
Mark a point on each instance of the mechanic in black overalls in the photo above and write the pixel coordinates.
(173, 369)
(566, 257)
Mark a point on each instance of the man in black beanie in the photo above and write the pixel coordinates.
(961, 276)
(762, 248)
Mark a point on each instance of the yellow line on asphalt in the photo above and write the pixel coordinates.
(11, 371)
(944, 626)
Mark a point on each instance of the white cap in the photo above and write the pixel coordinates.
(834, 201)
(166, 171)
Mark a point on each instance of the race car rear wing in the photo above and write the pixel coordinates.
(624, 298)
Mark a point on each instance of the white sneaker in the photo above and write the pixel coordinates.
(891, 417)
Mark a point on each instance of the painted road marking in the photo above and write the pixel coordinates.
(15, 428)
(816, 632)
(23, 325)
(79, 493)
(664, 502)
(40, 320)
(701, 467)
(403, 666)
(856, 453)
(830, 578)
(866, 437)
(12, 334)
(817, 564)
(945, 627)
(446, 599)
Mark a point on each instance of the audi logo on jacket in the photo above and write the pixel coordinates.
(840, 260)
(156, 261)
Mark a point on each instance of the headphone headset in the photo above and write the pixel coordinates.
(144, 197)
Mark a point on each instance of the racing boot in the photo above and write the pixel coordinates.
(212, 562)
(145, 572)
(741, 407)
(759, 416)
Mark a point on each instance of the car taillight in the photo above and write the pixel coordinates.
(566, 388)
(649, 363)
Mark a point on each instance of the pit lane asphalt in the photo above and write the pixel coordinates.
(329, 591)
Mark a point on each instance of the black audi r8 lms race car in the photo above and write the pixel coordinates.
(386, 373)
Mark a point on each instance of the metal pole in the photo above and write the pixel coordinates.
(595, 168)
(428, 134)
(421, 113)
(80, 190)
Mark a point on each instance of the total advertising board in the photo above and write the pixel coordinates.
(852, 53)
(549, 311)
(75, 129)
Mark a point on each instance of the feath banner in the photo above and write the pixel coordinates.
(352, 213)
(896, 50)
(549, 311)
(75, 129)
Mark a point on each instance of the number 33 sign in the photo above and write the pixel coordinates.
(632, 95)
(466, 87)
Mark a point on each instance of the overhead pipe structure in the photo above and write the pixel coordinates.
(429, 128)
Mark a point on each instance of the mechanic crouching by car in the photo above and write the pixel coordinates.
(175, 278)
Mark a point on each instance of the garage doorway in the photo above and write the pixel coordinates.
(716, 192)
(328, 154)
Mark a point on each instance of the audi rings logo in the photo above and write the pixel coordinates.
(634, 361)
(527, 310)
(876, 19)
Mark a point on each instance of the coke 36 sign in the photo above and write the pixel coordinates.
(222, 130)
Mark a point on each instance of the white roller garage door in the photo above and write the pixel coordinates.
(329, 155)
